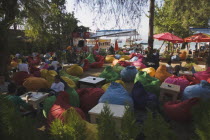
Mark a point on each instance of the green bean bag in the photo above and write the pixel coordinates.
(109, 74)
(73, 78)
(117, 68)
(48, 103)
(149, 83)
(73, 97)
(91, 58)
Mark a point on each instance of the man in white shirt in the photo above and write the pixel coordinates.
(55, 63)
(23, 66)
(57, 86)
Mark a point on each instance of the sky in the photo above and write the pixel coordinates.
(85, 16)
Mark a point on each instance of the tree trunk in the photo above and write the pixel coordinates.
(151, 26)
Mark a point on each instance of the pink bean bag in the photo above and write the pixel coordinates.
(139, 64)
(193, 80)
(203, 75)
(181, 81)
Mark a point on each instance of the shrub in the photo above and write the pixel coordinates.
(73, 127)
(155, 128)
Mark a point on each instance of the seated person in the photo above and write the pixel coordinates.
(3, 85)
(18, 102)
(188, 66)
(23, 66)
(169, 67)
(57, 86)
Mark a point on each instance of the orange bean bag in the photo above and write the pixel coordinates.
(35, 83)
(115, 62)
(161, 73)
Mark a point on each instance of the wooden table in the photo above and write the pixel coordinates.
(185, 73)
(117, 110)
(92, 81)
(35, 98)
(170, 89)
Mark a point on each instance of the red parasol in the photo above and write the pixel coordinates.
(116, 47)
(200, 37)
(96, 47)
(168, 37)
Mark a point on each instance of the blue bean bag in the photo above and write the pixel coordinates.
(201, 90)
(128, 74)
(116, 94)
(143, 99)
(117, 56)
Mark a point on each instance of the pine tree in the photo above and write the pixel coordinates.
(106, 125)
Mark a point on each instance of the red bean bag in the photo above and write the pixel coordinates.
(89, 97)
(203, 75)
(33, 69)
(124, 63)
(37, 74)
(60, 106)
(86, 65)
(180, 111)
(181, 81)
(20, 76)
(191, 79)
(99, 62)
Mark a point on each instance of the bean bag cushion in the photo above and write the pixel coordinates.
(150, 71)
(73, 78)
(201, 90)
(161, 73)
(105, 86)
(129, 73)
(126, 57)
(203, 75)
(37, 74)
(120, 52)
(44, 73)
(122, 59)
(90, 58)
(69, 81)
(135, 58)
(75, 70)
(47, 104)
(149, 83)
(181, 81)
(190, 67)
(97, 64)
(50, 77)
(99, 58)
(86, 65)
(180, 111)
(19, 77)
(35, 83)
(116, 94)
(193, 80)
(109, 59)
(60, 106)
(13, 64)
(124, 63)
(73, 97)
(89, 97)
(115, 62)
(33, 69)
(109, 74)
(139, 64)
(183, 55)
(142, 98)
(117, 68)
(117, 56)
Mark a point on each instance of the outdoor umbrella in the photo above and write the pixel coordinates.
(96, 47)
(200, 37)
(116, 47)
(168, 37)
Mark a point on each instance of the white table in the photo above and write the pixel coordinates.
(117, 110)
(170, 89)
(35, 98)
(92, 81)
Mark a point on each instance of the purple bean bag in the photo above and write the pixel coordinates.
(181, 81)
(203, 75)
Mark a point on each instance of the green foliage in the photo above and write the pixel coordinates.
(201, 120)
(155, 128)
(73, 127)
(106, 125)
(129, 128)
(13, 126)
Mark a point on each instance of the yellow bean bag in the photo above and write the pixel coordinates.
(52, 73)
(35, 83)
(44, 73)
(161, 73)
(122, 59)
(115, 62)
(126, 57)
(183, 55)
(120, 52)
(105, 86)
(75, 70)
(109, 59)
(13, 64)
(69, 82)
(150, 71)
